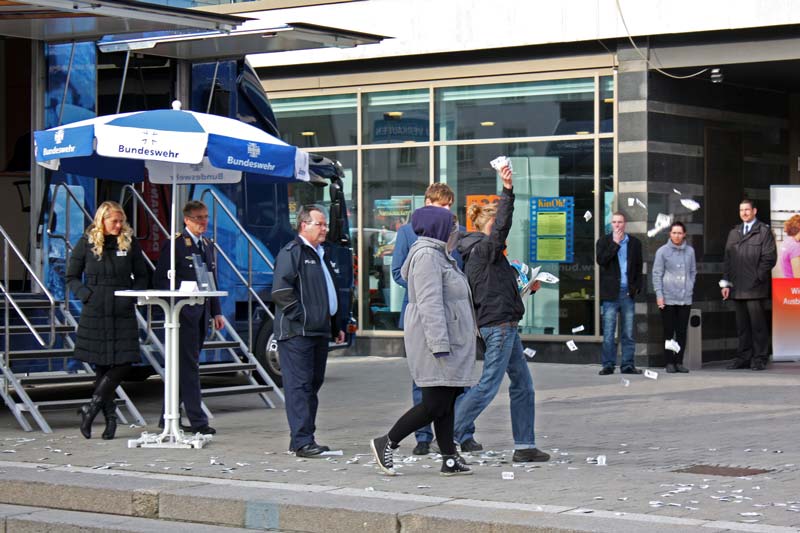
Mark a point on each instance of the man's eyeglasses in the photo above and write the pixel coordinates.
(198, 217)
(320, 224)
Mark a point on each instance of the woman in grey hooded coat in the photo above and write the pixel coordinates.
(674, 272)
(440, 336)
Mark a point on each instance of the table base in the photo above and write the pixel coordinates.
(168, 440)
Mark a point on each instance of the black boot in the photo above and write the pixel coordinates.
(88, 411)
(110, 413)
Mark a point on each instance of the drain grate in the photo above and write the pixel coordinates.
(717, 470)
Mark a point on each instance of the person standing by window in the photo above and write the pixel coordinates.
(106, 259)
(674, 272)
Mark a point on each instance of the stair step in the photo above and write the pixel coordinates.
(25, 518)
(64, 405)
(238, 389)
(30, 301)
(217, 345)
(50, 353)
(47, 378)
(218, 368)
(41, 328)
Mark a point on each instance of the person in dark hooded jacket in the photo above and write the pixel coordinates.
(106, 259)
(498, 308)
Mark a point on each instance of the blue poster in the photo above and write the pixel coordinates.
(552, 229)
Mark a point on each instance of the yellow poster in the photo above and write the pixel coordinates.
(552, 223)
(551, 249)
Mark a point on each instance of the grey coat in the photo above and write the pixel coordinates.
(439, 318)
(674, 272)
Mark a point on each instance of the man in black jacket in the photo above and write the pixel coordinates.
(750, 256)
(620, 258)
(306, 318)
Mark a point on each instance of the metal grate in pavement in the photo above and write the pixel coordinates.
(718, 470)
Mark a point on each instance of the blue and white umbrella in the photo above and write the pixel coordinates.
(176, 146)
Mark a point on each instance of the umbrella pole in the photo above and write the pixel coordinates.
(171, 394)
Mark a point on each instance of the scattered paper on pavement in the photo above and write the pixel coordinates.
(650, 374)
(508, 475)
(333, 452)
(676, 191)
(626, 382)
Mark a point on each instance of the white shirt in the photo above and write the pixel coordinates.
(333, 301)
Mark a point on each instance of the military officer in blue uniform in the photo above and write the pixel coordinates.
(194, 319)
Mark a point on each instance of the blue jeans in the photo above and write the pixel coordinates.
(503, 355)
(623, 305)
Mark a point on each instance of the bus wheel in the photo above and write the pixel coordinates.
(266, 351)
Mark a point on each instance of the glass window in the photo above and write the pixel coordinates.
(317, 120)
(556, 107)
(393, 188)
(396, 117)
(564, 168)
(606, 104)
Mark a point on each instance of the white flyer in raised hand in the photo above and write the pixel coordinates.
(546, 277)
(499, 162)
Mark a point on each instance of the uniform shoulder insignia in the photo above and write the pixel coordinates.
(290, 245)
(188, 242)
(177, 235)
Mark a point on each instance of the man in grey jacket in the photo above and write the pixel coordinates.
(750, 255)
(306, 306)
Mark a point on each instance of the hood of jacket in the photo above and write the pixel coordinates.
(423, 243)
(681, 246)
(467, 241)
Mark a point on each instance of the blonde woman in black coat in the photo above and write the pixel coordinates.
(106, 259)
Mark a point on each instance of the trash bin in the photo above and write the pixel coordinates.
(693, 354)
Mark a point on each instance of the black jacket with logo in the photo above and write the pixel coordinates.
(749, 260)
(300, 293)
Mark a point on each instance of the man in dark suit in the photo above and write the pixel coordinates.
(194, 319)
(750, 255)
(620, 258)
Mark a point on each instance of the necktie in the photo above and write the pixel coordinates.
(746, 229)
(200, 246)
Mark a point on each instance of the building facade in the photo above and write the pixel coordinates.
(596, 121)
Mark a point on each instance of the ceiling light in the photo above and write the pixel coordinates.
(716, 75)
(581, 133)
(487, 123)
(394, 114)
(608, 100)
(308, 133)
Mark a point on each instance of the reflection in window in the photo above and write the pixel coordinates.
(392, 190)
(553, 107)
(318, 120)
(396, 117)
(540, 169)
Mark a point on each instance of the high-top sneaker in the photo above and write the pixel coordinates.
(383, 448)
(454, 465)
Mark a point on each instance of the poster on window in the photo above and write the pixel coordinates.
(785, 221)
(552, 231)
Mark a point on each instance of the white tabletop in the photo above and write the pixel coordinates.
(171, 294)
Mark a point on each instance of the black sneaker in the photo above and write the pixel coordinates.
(681, 369)
(530, 455)
(670, 368)
(471, 445)
(454, 465)
(630, 370)
(606, 370)
(422, 448)
(384, 455)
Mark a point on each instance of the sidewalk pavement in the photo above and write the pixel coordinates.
(647, 429)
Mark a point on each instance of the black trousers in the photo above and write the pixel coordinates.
(303, 362)
(115, 374)
(675, 319)
(191, 336)
(437, 406)
(753, 330)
